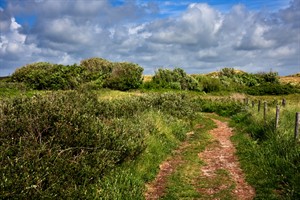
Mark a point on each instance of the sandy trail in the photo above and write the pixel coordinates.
(221, 155)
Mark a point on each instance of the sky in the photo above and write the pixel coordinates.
(198, 36)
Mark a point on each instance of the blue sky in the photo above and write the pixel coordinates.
(199, 36)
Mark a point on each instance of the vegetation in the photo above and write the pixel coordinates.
(84, 141)
(186, 180)
(173, 79)
(269, 157)
(124, 76)
(96, 73)
(62, 144)
(93, 73)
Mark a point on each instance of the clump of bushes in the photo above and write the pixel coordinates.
(56, 146)
(96, 73)
(225, 107)
(92, 73)
(209, 84)
(47, 76)
(61, 144)
(96, 65)
(124, 76)
(272, 89)
(173, 79)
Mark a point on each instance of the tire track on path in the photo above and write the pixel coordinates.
(220, 177)
(220, 155)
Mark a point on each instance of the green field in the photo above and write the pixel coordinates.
(85, 139)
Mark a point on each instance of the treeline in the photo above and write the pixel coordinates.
(96, 73)
(227, 79)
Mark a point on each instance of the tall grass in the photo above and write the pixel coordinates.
(271, 158)
(128, 180)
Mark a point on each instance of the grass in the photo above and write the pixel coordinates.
(72, 144)
(294, 80)
(108, 94)
(128, 180)
(160, 119)
(269, 157)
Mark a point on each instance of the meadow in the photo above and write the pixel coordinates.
(101, 132)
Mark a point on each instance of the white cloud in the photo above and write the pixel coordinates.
(196, 26)
(199, 39)
(253, 38)
(282, 52)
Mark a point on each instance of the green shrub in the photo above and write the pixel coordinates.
(25, 73)
(124, 76)
(174, 79)
(60, 145)
(55, 146)
(209, 84)
(96, 69)
(272, 89)
(47, 76)
(228, 72)
(95, 65)
(225, 107)
(270, 77)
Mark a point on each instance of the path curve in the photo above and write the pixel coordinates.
(221, 155)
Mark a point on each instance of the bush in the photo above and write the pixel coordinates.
(96, 65)
(56, 147)
(225, 107)
(228, 72)
(209, 84)
(124, 76)
(272, 89)
(96, 68)
(60, 145)
(174, 79)
(47, 76)
(270, 77)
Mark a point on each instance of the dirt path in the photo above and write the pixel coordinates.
(220, 155)
(156, 188)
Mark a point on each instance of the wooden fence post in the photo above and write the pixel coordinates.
(277, 117)
(252, 104)
(258, 106)
(297, 125)
(283, 102)
(265, 112)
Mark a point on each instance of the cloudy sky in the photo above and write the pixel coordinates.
(199, 36)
